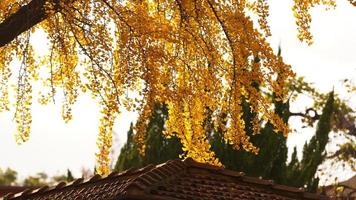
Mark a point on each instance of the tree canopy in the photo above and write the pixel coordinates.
(270, 163)
(8, 176)
(194, 56)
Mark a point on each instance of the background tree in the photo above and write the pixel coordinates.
(8, 177)
(40, 179)
(129, 156)
(158, 148)
(300, 173)
(69, 177)
(270, 163)
(65, 178)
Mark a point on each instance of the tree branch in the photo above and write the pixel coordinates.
(309, 113)
(26, 17)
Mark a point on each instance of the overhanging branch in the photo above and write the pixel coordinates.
(26, 17)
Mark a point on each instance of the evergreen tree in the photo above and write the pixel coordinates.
(129, 154)
(270, 163)
(302, 172)
(65, 178)
(158, 148)
(70, 176)
(271, 160)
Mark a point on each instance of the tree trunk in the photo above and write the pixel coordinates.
(26, 17)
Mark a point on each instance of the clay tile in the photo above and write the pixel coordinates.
(61, 185)
(178, 166)
(95, 178)
(9, 196)
(144, 180)
(152, 179)
(313, 196)
(170, 168)
(256, 180)
(147, 168)
(164, 170)
(139, 185)
(171, 161)
(43, 189)
(77, 181)
(112, 174)
(231, 173)
(160, 165)
(155, 175)
(161, 172)
(35, 190)
(287, 188)
(193, 163)
(163, 164)
(26, 192)
(178, 163)
(128, 171)
(154, 192)
(188, 161)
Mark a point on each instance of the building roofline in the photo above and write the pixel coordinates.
(144, 178)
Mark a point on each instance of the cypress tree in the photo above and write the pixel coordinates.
(270, 163)
(302, 172)
(158, 148)
(129, 155)
(70, 176)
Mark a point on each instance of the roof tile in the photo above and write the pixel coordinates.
(173, 180)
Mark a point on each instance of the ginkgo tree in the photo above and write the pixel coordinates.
(193, 56)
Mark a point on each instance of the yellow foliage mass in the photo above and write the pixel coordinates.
(191, 55)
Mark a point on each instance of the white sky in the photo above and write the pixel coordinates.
(55, 146)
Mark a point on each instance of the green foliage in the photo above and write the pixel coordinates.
(8, 177)
(302, 172)
(59, 178)
(69, 177)
(40, 179)
(129, 154)
(271, 159)
(63, 178)
(270, 163)
(158, 148)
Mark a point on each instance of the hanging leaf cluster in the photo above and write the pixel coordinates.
(195, 56)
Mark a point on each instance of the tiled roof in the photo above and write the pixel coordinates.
(14, 189)
(172, 180)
